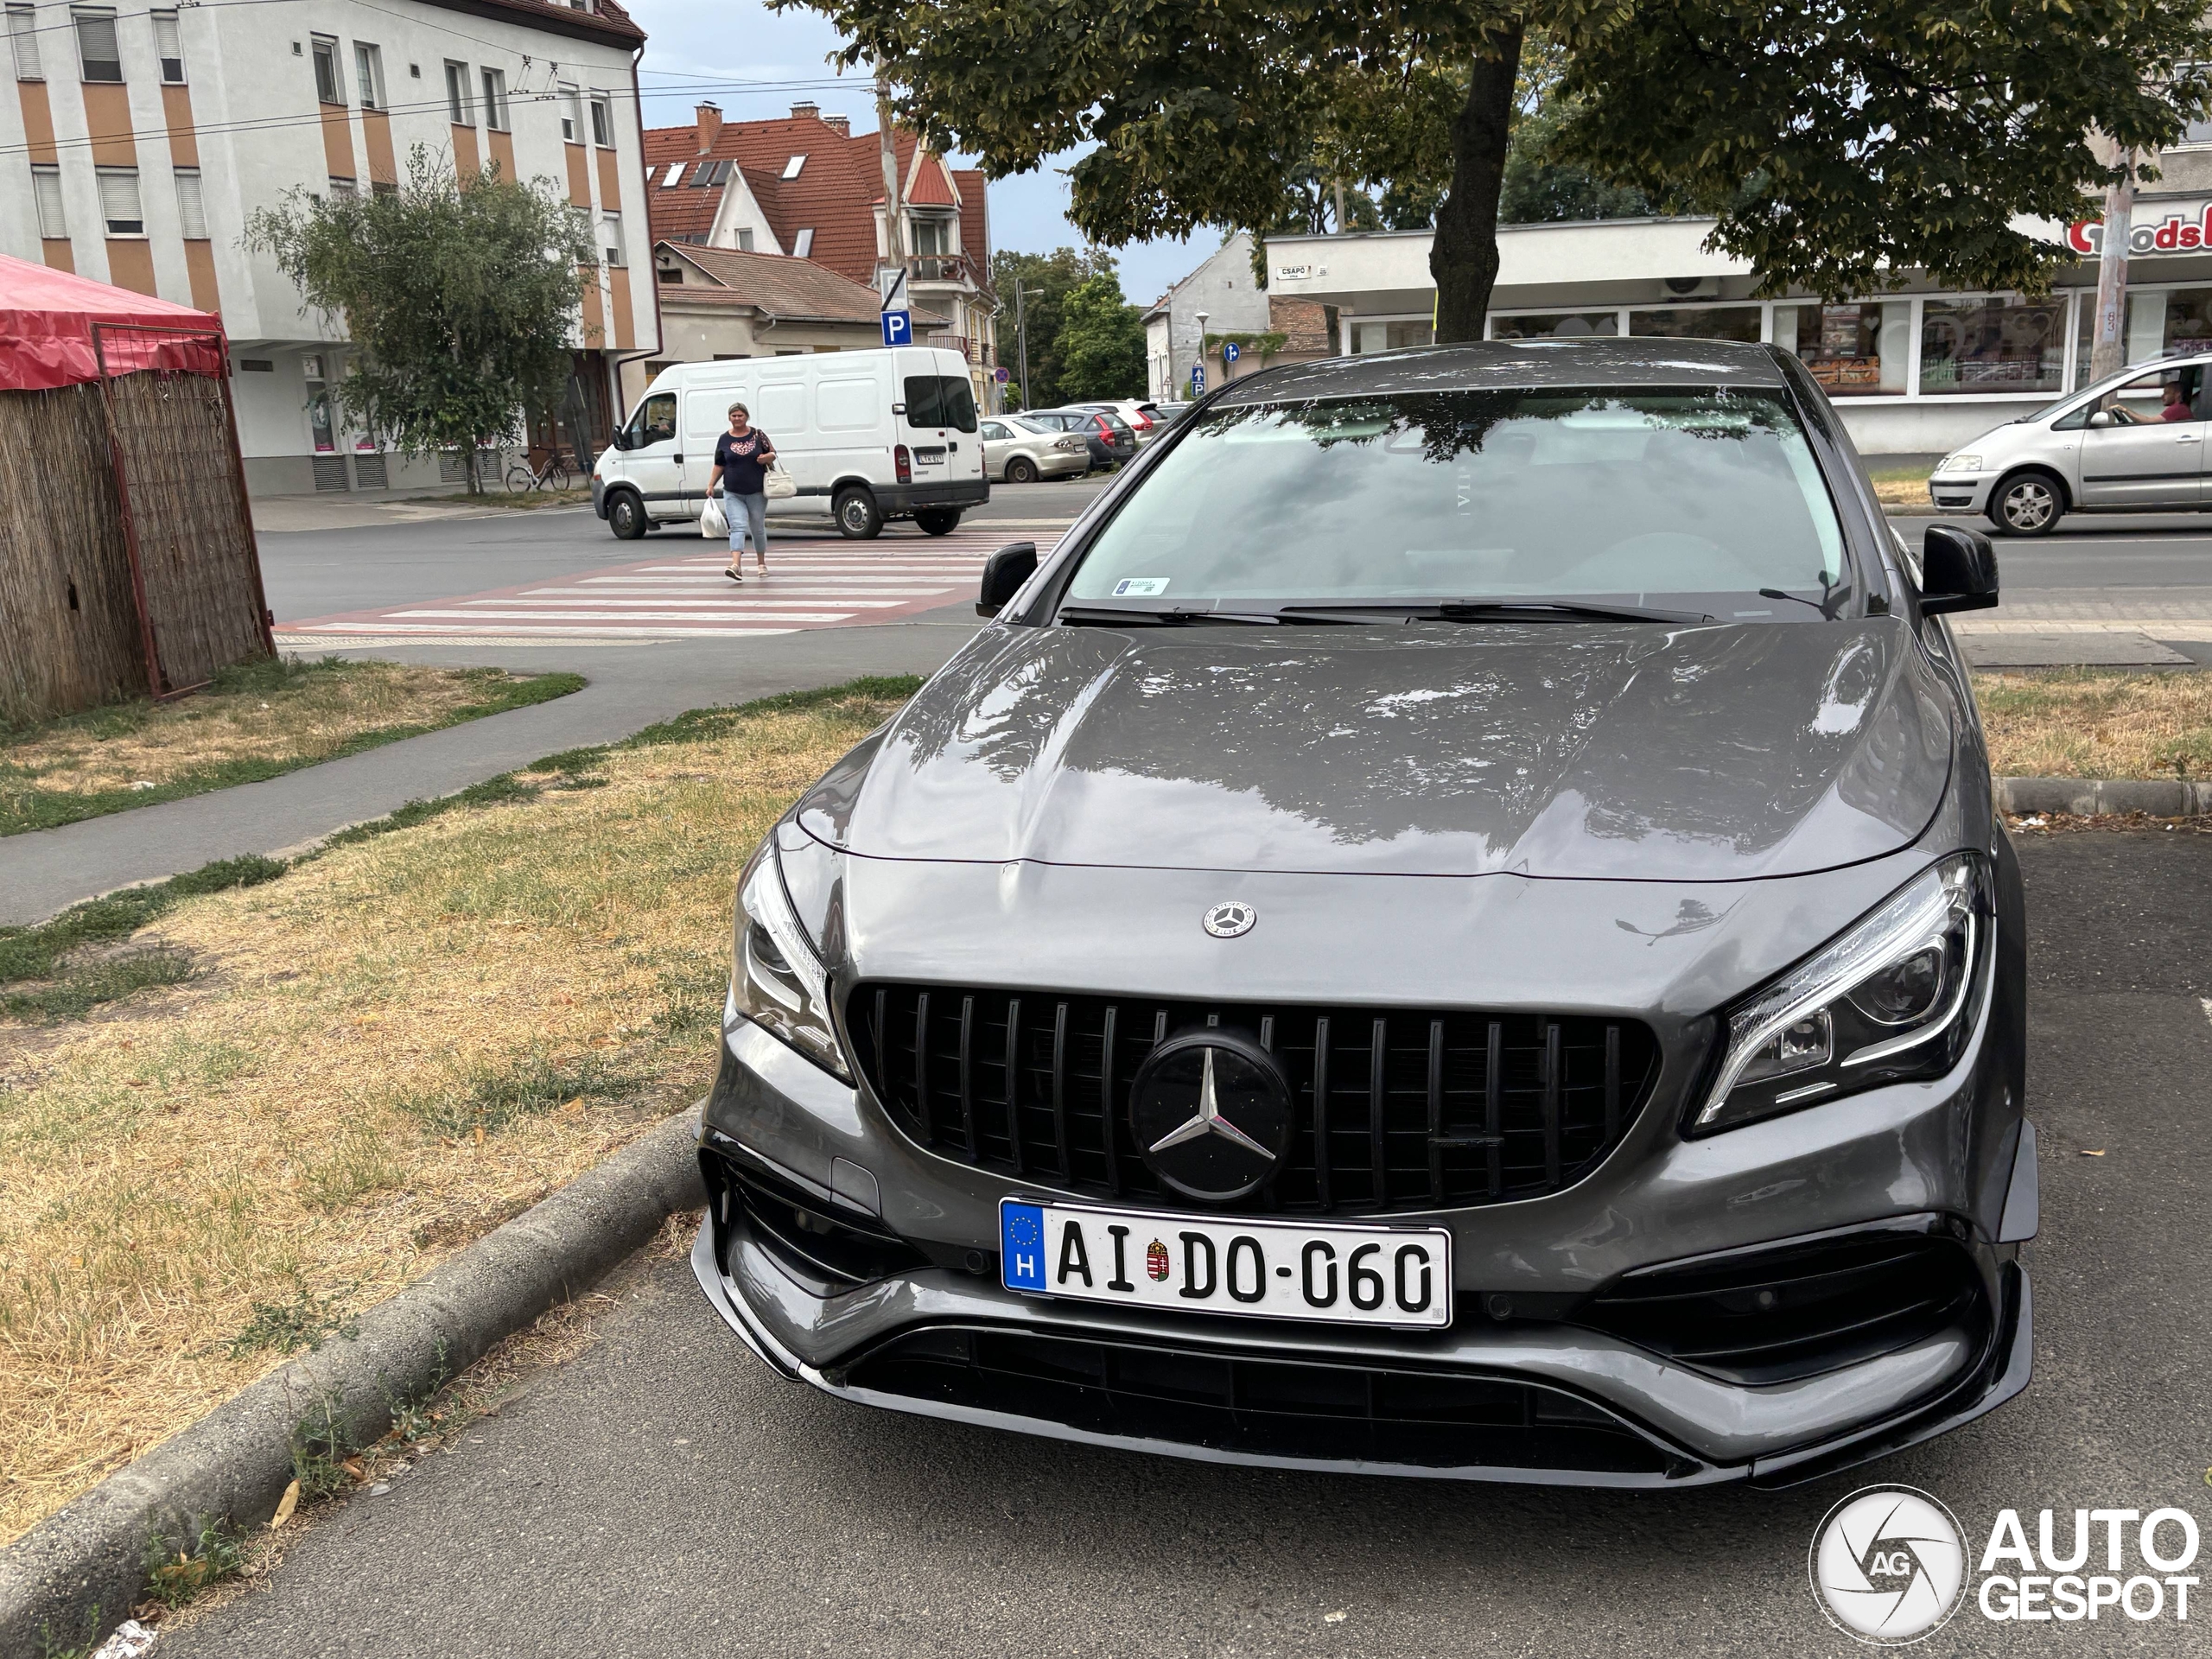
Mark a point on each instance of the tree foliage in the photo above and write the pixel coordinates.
(459, 296)
(1047, 279)
(1836, 142)
(1101, 342)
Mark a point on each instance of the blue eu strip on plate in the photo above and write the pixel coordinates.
(1021, 1245)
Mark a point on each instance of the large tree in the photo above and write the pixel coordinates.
(1836, 141)
(1101, 343)
(459, 296)
(1046, 281)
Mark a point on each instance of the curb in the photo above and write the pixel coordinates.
(2097, 796)
(78, 1572)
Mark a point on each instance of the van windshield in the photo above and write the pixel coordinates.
(1705, 502)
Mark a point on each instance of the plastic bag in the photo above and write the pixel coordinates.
(712, 522)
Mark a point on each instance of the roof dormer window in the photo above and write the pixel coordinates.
(803, 245)
(707, 175)
(792, 167)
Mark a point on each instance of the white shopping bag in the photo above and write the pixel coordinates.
(712, 523)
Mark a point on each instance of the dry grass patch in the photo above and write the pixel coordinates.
(259, 720)
(1902, 487)
(2089, 722)
(394, 1047)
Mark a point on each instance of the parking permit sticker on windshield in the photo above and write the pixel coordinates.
(1140, 586)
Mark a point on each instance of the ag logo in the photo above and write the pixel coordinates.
(1889, 1565)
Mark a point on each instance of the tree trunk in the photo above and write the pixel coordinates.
(1463, 257)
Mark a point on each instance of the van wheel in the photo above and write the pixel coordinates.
(625, 517)
(858, 516)
(2027, 504)
(1020, 469)
(936, 521)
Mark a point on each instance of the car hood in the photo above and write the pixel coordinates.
(1572, 750)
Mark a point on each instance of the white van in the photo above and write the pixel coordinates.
(868, 437)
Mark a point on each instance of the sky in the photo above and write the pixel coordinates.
(698, 49)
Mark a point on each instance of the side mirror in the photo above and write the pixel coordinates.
(1003, 574)
(1958, 570)
(2102, 419)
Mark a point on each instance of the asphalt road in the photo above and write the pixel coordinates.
(663, 1493)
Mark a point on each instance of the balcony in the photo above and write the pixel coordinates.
(957, 268)
(974, 349)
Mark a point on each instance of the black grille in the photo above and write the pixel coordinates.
(1795, 1310)
(1396, 1108)
(1262, 1408)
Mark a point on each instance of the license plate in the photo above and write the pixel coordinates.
(1262, 1269)
(929, 456)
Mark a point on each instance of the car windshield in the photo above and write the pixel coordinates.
(1023, 423)
(1708, 502)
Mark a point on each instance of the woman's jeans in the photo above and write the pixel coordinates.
(742, 510)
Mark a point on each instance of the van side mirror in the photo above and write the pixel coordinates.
(1958, 570)
(1003, 574)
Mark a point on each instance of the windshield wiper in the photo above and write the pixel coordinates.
(1509, 610)
(1131, 616)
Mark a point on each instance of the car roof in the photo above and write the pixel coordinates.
(1477, 366)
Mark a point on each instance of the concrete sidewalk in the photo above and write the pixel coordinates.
(49, 869)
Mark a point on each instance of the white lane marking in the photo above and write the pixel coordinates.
(488, 614)
(326, 630)
(622, 605)
(2207, 1002)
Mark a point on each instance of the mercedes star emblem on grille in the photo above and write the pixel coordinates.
(1231, 920)
(1210, 1111)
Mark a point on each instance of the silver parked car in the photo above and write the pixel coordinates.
(1454, 926)
(1016, 451)
(2131, 442)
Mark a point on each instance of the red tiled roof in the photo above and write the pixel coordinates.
(606, 21)
(796, 290)
(835, 194)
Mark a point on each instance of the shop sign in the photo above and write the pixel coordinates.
(2186, 226)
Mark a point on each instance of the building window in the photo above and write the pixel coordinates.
(572, 117)
(610, 237)
(22, 34)
(457, 94)
(345, 187)
(368, 75)
(803, 243)
(102, 59)
(792, 166)
(1389, 336)
(1697, 322)
(670, 273)
(329, 89)
(933, 235)
(1979, 347)
(602, 122)
(1555, 325)
(1853, 351)
(745, 238)
(46, 186)
(495, 99)
(169, 48)
(708, 174)
(2159, 321)
(191, 207)
(119, 202)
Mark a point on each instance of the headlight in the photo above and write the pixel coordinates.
(778, 979)
(1881, 1004)
(1960, 463)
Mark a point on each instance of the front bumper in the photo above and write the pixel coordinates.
(1961, 493)
(933, 1332)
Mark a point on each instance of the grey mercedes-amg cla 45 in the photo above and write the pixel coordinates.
(1453, 926)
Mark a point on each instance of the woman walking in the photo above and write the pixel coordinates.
(742, 457)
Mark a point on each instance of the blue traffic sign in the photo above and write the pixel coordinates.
(1231, 352)
(1198, 377)
(898, 327)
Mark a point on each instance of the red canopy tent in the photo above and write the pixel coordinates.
(131, 569)
(46, 330)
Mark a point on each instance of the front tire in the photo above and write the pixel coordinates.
(859, 518)
(2027, 504)
(938, 521)
(1020, 470)
(519, 479)
(625, 517)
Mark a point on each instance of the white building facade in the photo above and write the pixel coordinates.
(1917, 370)
(1223, 287)
(138, 141)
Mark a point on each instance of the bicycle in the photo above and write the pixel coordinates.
(553, 475)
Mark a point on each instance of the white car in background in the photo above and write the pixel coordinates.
(1016, 451)
(2134, 442)
(1136, 414)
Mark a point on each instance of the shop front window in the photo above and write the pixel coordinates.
(1697, 322)
(1975, 347)
(2177, 319)
(1853, 351)
(1556, 325)
(1389, 336)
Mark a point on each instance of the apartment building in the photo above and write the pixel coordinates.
(804, 186)
(140, 140)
